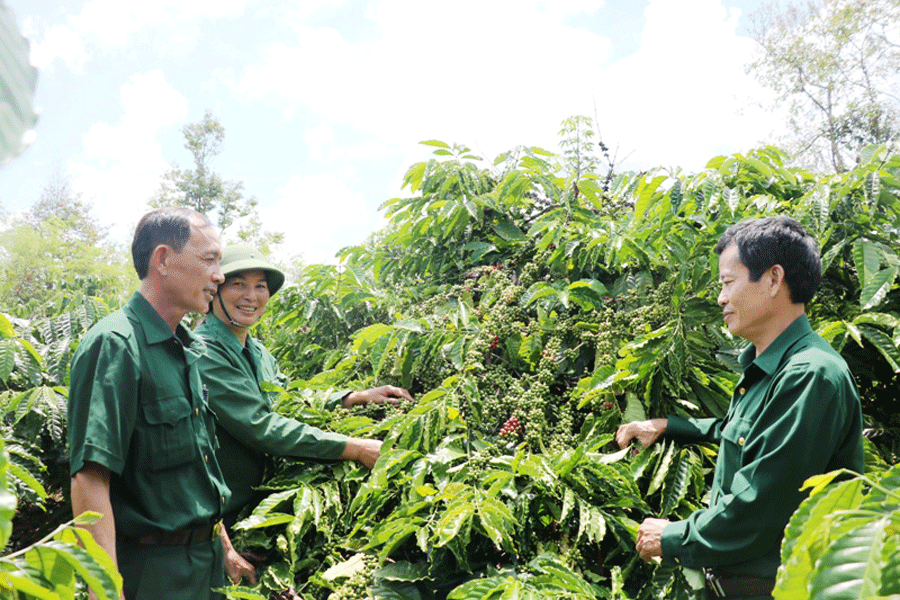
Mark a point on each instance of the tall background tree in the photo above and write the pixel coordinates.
(202, 189)
(56, 249)
(834, 64)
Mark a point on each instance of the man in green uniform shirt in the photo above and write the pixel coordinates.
(795, 413)
(235, 365)
(141, 434)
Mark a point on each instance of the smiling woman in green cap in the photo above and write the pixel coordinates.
(233, 368)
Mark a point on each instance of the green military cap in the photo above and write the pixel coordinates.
(241, 257)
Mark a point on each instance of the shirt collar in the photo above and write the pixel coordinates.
(156, 330)
(220, 332)
(771, 357)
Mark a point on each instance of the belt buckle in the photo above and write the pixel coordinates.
(712, 582)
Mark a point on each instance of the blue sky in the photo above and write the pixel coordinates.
(324, 102)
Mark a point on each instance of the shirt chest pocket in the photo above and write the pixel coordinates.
(734, 439)
(169, 432)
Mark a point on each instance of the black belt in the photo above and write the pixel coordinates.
(181, 537)
(738, 586)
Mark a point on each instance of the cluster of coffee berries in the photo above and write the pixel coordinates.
(511, 427)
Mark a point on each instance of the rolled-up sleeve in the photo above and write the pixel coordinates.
(103, 400)
(682, 429)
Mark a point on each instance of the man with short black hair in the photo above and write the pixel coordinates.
(141, 434)
(795, 413)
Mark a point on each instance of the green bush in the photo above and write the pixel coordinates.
(532, 305)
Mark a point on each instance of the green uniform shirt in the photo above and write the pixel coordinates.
(137, 407)
(795, 413)
(248, 429)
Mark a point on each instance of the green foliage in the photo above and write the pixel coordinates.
(57, 566)
(843, 541)
(55, 251)
(318, 314)
(62, 560)
(532, 306)
(34, 365)
(37, 351)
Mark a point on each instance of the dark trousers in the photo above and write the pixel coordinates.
(156, 572)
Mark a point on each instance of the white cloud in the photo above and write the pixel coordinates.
(488, 74)
(458, 71)
(122, 163)
(567, 7)
(59, 42)
(318, 140)
(111, 22)
(684, 95)
(319, 215)
(300, 11)
(368, 151)
(496, 74)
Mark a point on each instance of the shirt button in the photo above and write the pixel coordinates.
(742, 391)
(223, 499)
(741, 441)
(196, 411)
(206, 458)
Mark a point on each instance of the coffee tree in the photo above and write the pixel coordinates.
(532, 305)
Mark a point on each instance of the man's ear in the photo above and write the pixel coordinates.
(159, 259)
(776, 281)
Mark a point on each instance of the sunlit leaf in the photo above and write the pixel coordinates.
(877, 287)
(884, 344)
(810, 527)
(662, 470)
(347, 568)
(458, 517)
(478, 589)
(851, 565)
(7, 499)
(243, 593)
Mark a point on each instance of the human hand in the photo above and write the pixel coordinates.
(649, 538)
(378, 395)
(646, 432)
(237, 567)
(362, 450)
